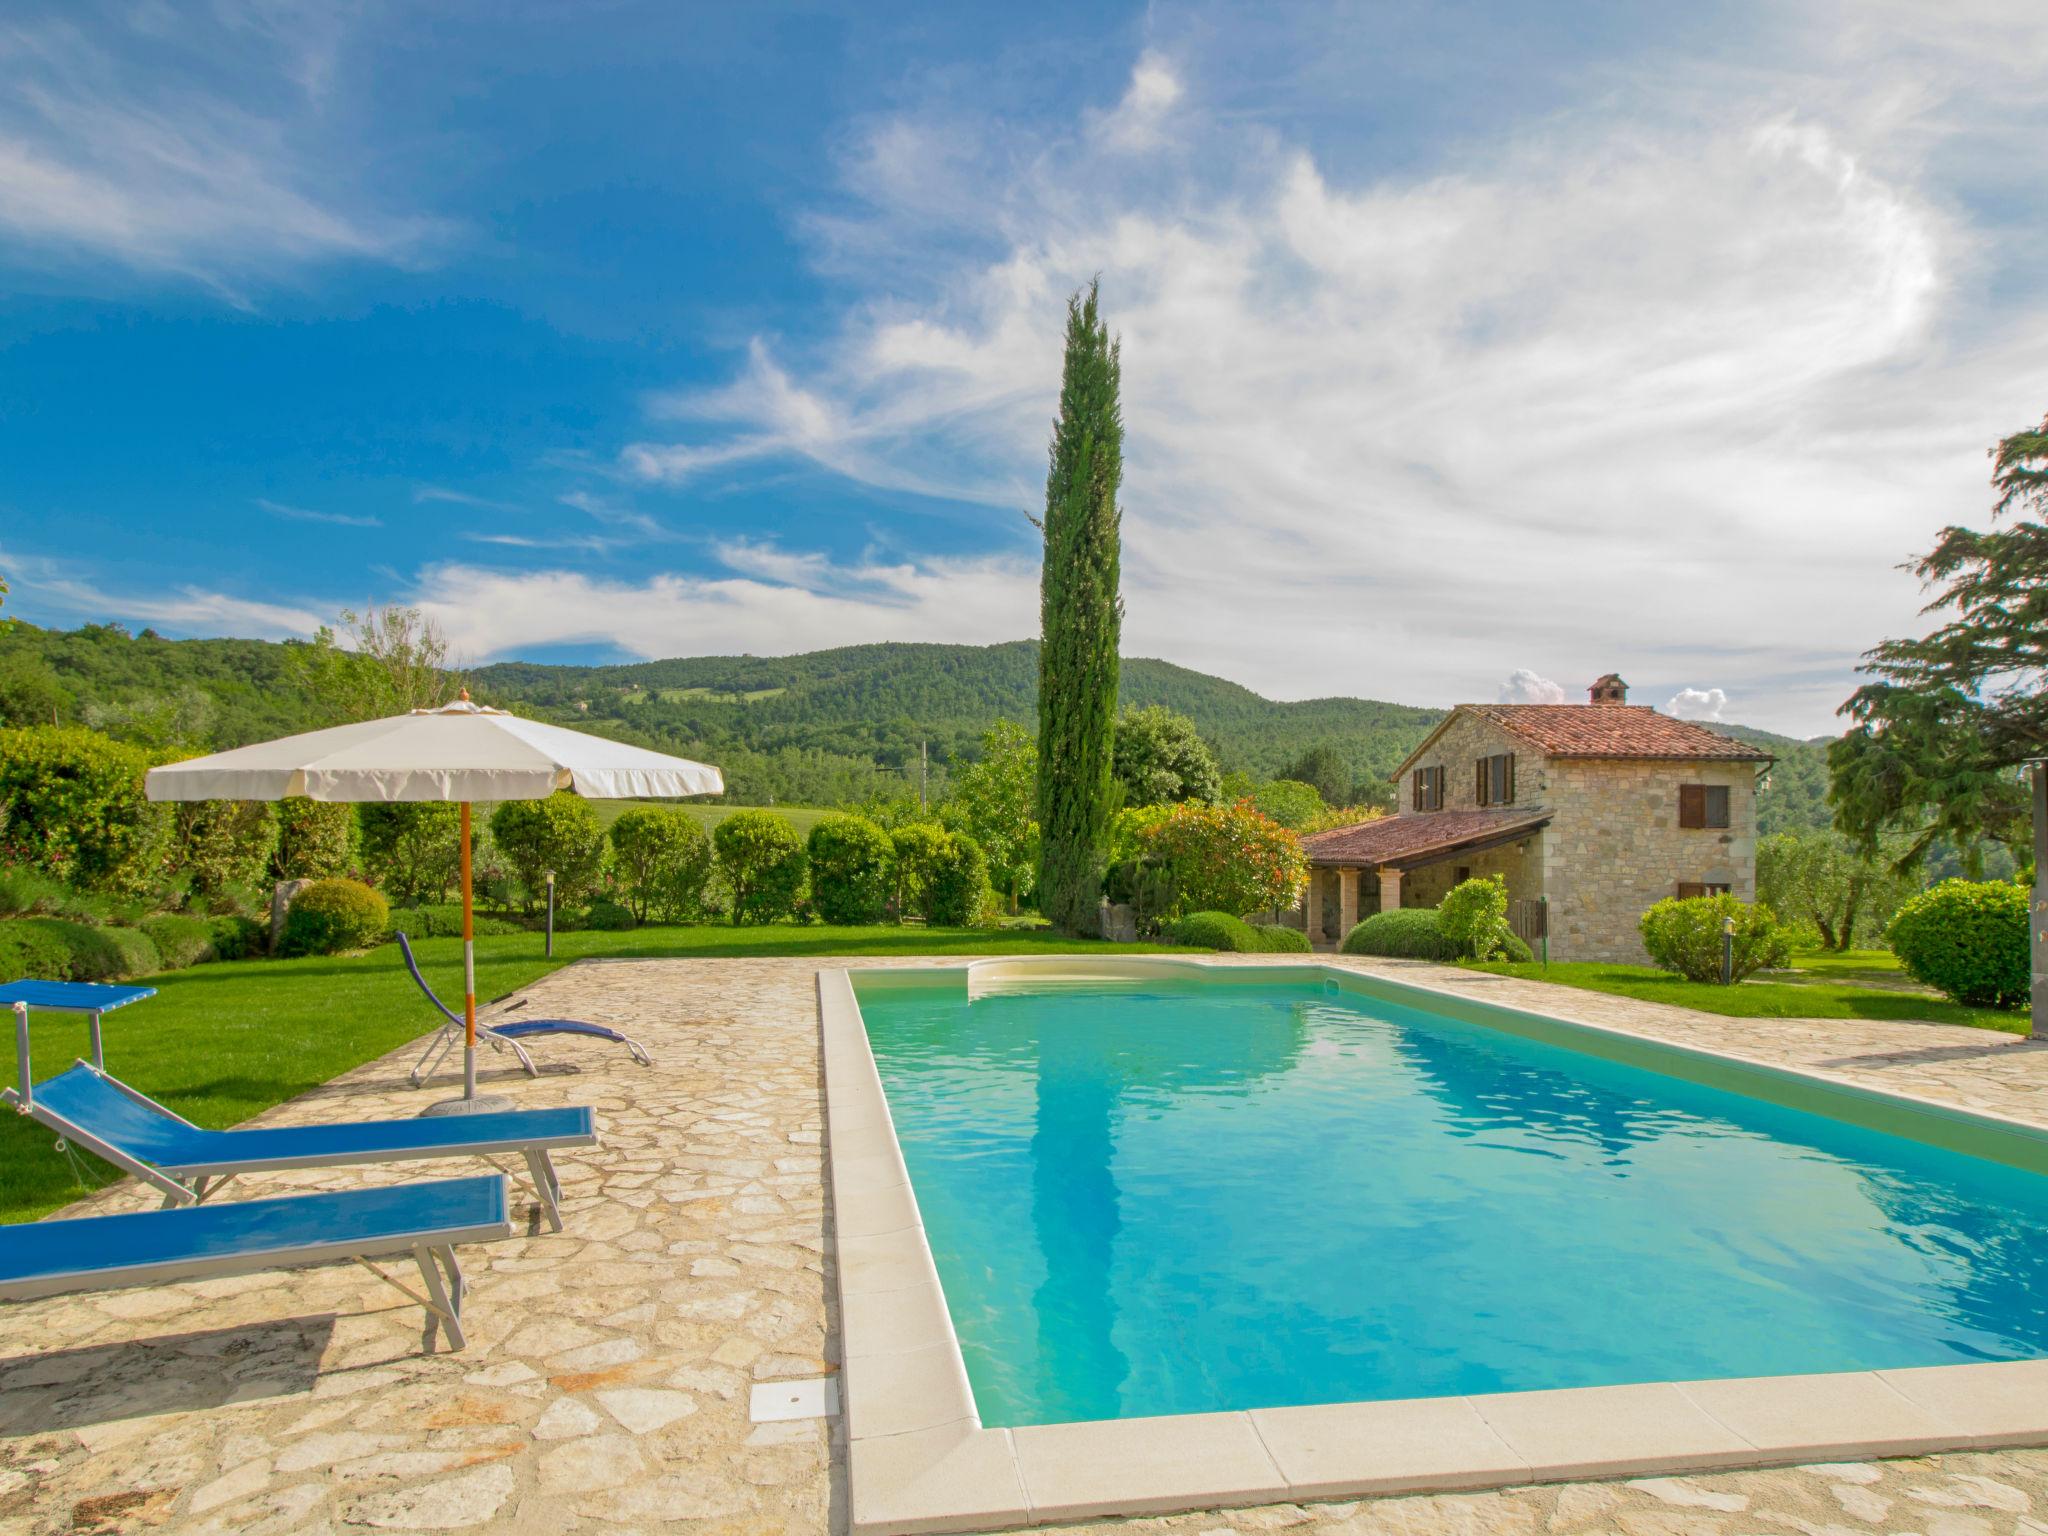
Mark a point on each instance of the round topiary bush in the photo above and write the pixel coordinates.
(329, 917)
(1967, 938)
(607, 916)
(1277, 939)
(236, 938)
(852, 871)
(662, 857)
(1685, 936)
(1405, 933)
(1214, 930)
(958, 894)
(763, 862)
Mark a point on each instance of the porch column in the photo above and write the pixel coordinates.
(1390, 888)
(1347, 902)
(1312, 906)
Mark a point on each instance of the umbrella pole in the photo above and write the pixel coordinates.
(468, 968)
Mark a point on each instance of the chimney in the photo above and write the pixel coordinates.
(1609, 690)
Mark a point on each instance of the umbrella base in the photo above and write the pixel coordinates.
(482, 1104)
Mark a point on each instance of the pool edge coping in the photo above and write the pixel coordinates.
(919, 1459)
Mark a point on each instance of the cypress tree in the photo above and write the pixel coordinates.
(1081, 622)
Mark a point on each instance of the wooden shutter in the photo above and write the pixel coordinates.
(1692, 805)
(1508, 774)
(1479, 793)
(1715, 805)
(1688, 889)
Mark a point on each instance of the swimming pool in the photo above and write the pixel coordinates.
(1184, 1196)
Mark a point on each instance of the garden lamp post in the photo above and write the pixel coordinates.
(1727, 951)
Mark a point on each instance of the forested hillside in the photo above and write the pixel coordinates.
(828, 727)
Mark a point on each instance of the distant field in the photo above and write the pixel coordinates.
(802, 817)
(745, 696)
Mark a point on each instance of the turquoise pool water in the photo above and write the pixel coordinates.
(1186, 1198)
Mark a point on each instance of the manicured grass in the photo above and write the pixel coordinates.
(1862, 984)
(220, 1043)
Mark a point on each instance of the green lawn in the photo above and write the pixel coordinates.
(802, 817)
(1859, 984)
(219, 1043)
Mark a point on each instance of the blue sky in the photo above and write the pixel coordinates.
(1468, 347)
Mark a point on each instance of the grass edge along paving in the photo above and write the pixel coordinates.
(220, 1043)
(1825, 991)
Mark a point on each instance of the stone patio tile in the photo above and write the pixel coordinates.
(1841, 1417)
(1133, 1466)
(1344, 1449)
(1610, 1431)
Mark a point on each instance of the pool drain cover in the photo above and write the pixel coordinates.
(774, 1402)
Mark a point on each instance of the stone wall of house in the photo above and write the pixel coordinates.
(1614, 848)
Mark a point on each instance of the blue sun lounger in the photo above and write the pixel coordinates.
(90, 1109)
(498, 1034)
(98, 1253)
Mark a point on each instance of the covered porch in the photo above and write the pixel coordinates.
(1412, 861)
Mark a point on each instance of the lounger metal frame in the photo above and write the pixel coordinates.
(432, 1248)
(194, 1183)
(454, 1031)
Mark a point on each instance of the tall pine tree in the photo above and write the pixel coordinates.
(1081, 622)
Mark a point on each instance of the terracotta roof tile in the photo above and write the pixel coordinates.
(1418, 837)
(1614, 730)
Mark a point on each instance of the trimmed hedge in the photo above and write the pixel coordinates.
(329, 917)
(180, 941)
(608, 916)
(49, 949)
(1405, 933)
(1967, 938)
(443, 920)
(1214, 930)
(662, 858)
(236, 937)
(1416, 933)
(1278, 939)
(1220, 930)
(764, 864)
(852, 869)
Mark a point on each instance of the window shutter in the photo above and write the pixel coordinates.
(1508, 797)
(1688, 889)
(1479, 796)
(1692, 805)
(1715, 805)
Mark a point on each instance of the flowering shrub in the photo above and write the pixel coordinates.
(1227, 858)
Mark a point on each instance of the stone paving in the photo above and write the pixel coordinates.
(606, 1384)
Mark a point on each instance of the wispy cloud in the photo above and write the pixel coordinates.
(196, 146)
(311, 515)
(490, 613)
(422, 494)
(50, 586)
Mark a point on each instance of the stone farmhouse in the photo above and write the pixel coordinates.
(1593, 812)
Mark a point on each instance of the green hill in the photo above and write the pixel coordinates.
(824, 728)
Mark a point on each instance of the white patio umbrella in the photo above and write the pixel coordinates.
(462, 752)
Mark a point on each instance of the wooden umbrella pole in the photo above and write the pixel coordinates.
(468, 968)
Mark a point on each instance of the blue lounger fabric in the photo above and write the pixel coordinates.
(93, 1104)
(44, 1257)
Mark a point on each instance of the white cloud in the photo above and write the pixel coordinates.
(1526, 687)
(1139, 119)
(202, 150)
(310, 515)
(46, 586)
(493, 613)
(1699, 374)
(1698, 704)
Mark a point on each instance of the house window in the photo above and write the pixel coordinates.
(1688, 889)
(1429, 789)
(1703, 805)
(1497, 779)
